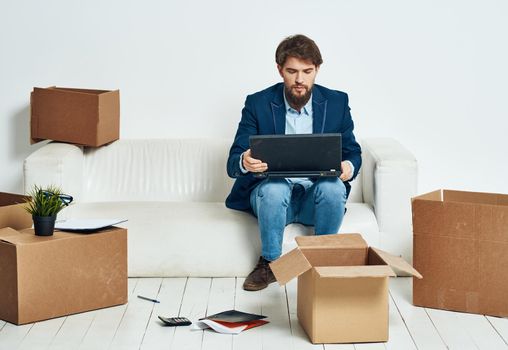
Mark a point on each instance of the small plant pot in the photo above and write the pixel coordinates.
(44, 225)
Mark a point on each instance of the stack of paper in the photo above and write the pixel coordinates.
(86, 224)
(230, 322)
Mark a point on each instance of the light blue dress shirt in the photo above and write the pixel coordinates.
(298, 122)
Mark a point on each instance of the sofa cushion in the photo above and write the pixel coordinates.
(356, 194)
(163, 170)
(196, 238)
(157, 170)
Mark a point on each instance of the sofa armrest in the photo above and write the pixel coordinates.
(389, 183)
(59, 164)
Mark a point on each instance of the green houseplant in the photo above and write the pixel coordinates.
(44, 204)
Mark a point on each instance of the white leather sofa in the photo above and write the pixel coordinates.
(172, 192)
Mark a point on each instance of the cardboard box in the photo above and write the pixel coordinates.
(12, 212)
(342, 287)
(460, 245)
(80, 116)
(47, 277)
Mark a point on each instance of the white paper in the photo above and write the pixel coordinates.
(86, 224)
(203, 324)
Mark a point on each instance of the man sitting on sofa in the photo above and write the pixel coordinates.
(296, 106)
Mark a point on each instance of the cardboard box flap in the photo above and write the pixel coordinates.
(400, 266)
(13, 213)
(83, 91)
(289, 266)
(27, 236)
(355, 271)
(8, 234)
(473, 197)
(343, 240)
(431, 196)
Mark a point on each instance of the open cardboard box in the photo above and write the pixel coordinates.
(80, 116)
(342, 287)
(46, 277)
(12, 212)
(460, 244)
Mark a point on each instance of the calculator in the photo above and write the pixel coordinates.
(175, 321)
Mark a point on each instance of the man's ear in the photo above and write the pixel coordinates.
(279, 68)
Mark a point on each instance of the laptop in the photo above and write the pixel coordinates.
(298, 155)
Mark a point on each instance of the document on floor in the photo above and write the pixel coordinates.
(230, 322)
(227, 327)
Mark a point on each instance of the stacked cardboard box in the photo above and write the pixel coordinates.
(460, 245)
(46, 277)
(342, 287)
(80, 116)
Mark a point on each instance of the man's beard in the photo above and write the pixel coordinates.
(297, 101)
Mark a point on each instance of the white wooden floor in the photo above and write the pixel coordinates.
(135, 325)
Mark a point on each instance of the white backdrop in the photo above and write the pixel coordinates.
(431, 74)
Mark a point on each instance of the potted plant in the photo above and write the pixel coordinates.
(44, 205)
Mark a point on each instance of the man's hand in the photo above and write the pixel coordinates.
(253, 165)
(346, 171)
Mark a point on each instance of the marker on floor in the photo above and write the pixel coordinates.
(149, 299)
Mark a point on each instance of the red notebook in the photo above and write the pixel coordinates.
(249, 324)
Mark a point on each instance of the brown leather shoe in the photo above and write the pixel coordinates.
(260, 277)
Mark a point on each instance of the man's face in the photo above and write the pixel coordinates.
(298, 76)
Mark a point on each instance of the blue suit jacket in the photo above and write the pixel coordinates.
(265, 114)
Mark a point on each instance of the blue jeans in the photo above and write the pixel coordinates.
(279, 202)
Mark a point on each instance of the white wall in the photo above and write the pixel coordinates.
(432, 74)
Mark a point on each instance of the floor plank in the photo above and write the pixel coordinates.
(222, 298)
(41, 334)
(194, 305)
(455, 336)
(339, 346)
(102, 329)
(72, 331)
(245, 301)
(500, 325)
(75, 327)
(484, 335)
(105, 323)
(11, 335)
(370, 346)
(272, 303)
(276, 335)
(421, 328)
(135, 320)
(465, 331)
(399, 337)
(170, 296)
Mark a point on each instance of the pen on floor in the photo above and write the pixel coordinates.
(149, 299)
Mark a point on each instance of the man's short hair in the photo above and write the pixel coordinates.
(298, 46)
